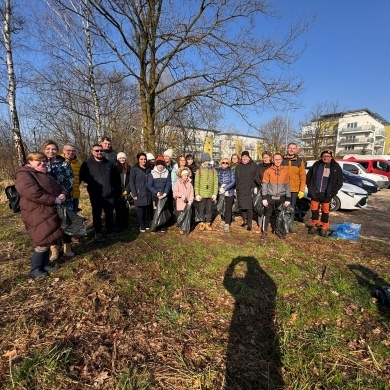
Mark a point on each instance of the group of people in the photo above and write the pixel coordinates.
(50, 179)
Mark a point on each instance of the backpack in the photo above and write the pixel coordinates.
(13, 198)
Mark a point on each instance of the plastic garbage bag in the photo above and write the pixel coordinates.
(71, 223)
(288, 218)
(235, 208)
(347, 231)
(184, 219)
(258, 203)
(161, 214)
(221, 205)
(281, 224)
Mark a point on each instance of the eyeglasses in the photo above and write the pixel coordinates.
(41, 162)
(98, 150)
(224, 163)
(326, 156)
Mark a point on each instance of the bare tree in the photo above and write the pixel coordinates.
(208, 48)
(10, 27)
(274, 134)
(319, 131)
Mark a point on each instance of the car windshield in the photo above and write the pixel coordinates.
(346, 173)
(361, 167)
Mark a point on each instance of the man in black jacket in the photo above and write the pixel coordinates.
(324, 180)
(103, 184)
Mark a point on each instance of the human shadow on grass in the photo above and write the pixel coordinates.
(253, 358)
(370, 280)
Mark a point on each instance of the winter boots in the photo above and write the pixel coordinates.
(37, 264)
(201, 226)
(55, 252)
(68, 250)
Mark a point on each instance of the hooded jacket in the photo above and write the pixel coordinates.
(38, 192)
(139, 185)
(159, 181)
(297, 172)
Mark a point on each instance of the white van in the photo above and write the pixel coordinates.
(354, 167)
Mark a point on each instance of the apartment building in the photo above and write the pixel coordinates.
(356, 131)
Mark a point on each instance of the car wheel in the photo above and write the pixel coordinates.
(302, 210)
(335, 204)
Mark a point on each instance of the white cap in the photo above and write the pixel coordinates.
(149, 156)
(169, 153)
(121, 154)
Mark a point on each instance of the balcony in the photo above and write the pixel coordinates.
(380, 133)
(355, 141)
(358, 129)
(354, 151)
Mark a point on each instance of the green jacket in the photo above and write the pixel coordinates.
(206, 182)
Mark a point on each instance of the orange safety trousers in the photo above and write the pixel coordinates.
(315, 214)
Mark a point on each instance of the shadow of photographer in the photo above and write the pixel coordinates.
(253, 358)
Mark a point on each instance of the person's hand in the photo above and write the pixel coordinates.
(265, 202)
(183, 197)
(286, 203)
(214, 198)
(198, 198)
(135, 198)
(222, 190)
(255, 190)
(163, 196)
(62, 197)
(300, 195)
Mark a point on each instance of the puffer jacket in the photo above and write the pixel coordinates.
(159, 182)
(139, 185)
(227, 178)
(183, 188)
(38, 192)
(276, 183)
(206, 182)
(261, 168)
(75, 164)
(297, 172)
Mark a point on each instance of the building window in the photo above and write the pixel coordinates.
(352, 125)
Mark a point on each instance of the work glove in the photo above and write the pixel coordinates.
(286, 203)
(255, 190)
(214, 198)
(265, 202)
(300, 195)
(198, 198)
(222, 190)
(124, 193)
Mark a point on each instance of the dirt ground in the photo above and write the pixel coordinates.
(375, 218)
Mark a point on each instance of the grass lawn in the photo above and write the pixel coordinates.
(204, 311)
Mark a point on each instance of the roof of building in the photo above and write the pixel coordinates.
(376, 116)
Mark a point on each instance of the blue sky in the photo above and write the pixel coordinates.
(347, 56)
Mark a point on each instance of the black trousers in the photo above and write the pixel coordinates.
(98, 206)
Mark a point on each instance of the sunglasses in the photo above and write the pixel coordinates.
(224, 163)
(98, 150)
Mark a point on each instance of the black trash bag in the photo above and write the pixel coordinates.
(161, 214)
(221, 205)
(184, 220)
(235, 208)
(13, 198)
(258, 203)
(71, 223)
(382, 294)
(280, 223)
(288, 218)
(196, 215)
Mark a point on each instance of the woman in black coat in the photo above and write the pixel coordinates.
(245, 183)
(140, 192)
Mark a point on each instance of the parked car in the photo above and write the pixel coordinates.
(367, 184)
(357, 169)
(372, 164)
(350, 197)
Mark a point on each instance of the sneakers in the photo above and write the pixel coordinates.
(181, 231)
(226, 228)
(99, 237)
(114, 236)
(258, 229)
(249, 228)
(201, 226)
(142, 230)
(323, 233)
(263, 235)
(312, 230)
